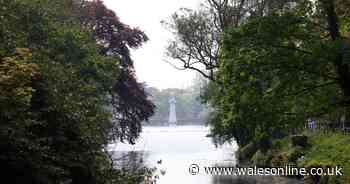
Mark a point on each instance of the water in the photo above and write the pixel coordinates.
(173, 149)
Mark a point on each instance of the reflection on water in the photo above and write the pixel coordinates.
(173, 149)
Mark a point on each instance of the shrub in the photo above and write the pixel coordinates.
(299, 140)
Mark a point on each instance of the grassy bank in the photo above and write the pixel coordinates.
(319, 150)
(329, 150)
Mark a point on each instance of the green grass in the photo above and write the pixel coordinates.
(331, 149)
(323, 150)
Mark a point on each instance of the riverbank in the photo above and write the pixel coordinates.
(310, 150)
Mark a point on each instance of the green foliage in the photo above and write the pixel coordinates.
(281, 144)
(294, 154)
(323, 151)
(247, 152)
(261, 159)
(275, 72)
(16, 74)
(196, 43)
(55, 97)
(299, 140)
(330, 150)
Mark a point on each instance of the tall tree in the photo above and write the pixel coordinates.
(279, 69)
(129, 98)
(57, 82)
(198, 33)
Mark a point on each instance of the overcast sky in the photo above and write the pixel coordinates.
(149, 60)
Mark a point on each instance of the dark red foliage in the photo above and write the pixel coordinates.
(130, 106)
(115, 37)
(129, 99)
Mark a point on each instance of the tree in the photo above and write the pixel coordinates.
(56, 86)
(279, 69)
(197, 42)
(129, 98)
(198, 33)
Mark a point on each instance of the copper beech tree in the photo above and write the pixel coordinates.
(129, 98)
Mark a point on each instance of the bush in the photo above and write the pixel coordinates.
(261, 159)
(329, 151)
(299, 140)
(247, 152)
(321, 179)
(279, 160)
(294, 154)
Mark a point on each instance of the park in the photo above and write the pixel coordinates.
(175, 91)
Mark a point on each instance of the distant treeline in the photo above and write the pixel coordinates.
(189, 109)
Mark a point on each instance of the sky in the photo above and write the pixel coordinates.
(150, 64)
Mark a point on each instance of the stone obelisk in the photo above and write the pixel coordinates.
(172, 111)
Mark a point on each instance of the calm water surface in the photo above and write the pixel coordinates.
(180, 146)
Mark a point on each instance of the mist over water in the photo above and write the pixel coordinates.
(177, 147)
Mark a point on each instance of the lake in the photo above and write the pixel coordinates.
(174, 149)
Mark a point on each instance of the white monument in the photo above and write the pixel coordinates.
(172, 111)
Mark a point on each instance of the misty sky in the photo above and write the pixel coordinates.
(149, 60)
